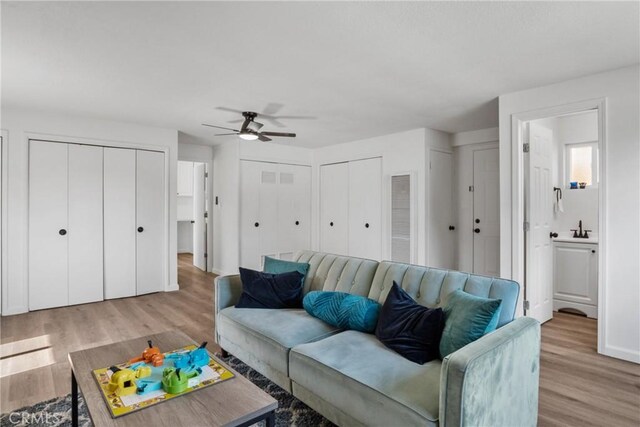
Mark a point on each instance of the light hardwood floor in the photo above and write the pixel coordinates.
(577, 386)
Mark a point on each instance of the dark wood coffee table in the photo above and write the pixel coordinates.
(235, 402)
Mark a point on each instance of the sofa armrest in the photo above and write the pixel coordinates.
(227, 291)
(493, 381)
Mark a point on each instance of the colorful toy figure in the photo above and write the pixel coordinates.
(122, 381)
(196, 358)
(174, 381)
(150, 355)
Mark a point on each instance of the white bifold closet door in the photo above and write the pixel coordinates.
(294, 214)
(334, 208)
(119, 222)
(365, 208)
(65, 224)
(150, 218)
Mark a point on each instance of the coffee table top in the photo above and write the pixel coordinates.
(228, 403)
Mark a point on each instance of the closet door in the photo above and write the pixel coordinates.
(365, 208)
(250, 215)
(334, 208)
(440, 247)
(294, 210)
(85, 224)
(150, 241)
(268, 211)
(119, 222)
(48, 225)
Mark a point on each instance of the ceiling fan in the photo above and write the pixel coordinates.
(250, 129)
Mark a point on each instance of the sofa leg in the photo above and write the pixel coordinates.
(224, 353)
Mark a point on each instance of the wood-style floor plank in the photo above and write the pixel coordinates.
(577, 385)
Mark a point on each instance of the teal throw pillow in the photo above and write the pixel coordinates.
(467, 318)
(343, 310)
(279, 266)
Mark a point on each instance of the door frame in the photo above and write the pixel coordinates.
(4, 158)
(518, 122)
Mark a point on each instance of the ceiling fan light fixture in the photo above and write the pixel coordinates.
(248, 136)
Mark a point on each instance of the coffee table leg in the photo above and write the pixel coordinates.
(74, 400)
(271, 419)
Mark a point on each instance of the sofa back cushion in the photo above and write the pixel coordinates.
(430, 286)
(328, 272)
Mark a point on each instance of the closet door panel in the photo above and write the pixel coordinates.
(294, 210)
(150, 241)
(250, 215)
(48, 217)
(85, 224)
(119, 222)
(365, 208)
(334, 208)
(268, 211)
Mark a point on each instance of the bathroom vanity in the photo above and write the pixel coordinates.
(575, 274)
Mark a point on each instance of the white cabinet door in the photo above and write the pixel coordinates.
(294, 210)
(250, 176)
(119, 222)
(575, 267)
(365, 208)
(334, 208)
(85, 224)
(199, 225)
(150, 242)
(185, 178)
(48, 225)
(486, 213)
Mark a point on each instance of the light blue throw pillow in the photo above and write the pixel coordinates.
(279, 266)
(343, 310)
(467, 318)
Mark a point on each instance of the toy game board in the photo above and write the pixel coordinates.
(211, 373)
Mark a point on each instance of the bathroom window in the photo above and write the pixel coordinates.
(582, 164)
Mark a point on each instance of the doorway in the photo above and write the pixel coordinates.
(562, 183)
(193, 213)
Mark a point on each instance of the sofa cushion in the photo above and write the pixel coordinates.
(408, 328)
(278, 266)
(269, 334)
(356, 373)
(343, 310)
(265, 290)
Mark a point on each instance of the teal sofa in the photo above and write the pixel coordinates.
(352, 379)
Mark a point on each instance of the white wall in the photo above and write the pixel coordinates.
(22, 125)
(619, 328)
(185, 237)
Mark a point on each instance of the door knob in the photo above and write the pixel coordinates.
(477, 220)
(297, 222)
(331, 223)
(366, 225)
(476, 230)
(140, 229)
(451, 227)
(553, 235)
(62, 232)
(257, 224)
(593, 251)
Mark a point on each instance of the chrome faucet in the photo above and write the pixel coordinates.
(580, 234)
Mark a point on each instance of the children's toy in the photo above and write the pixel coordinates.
(150, 355)
(198, 357)
(175, 382)
(122, 381)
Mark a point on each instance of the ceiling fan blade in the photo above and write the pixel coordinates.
(272, 108)
(225, 134)
(220, 127)
(285, 134)
(263, 138)
(274, 121)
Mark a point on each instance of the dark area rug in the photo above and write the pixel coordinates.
(57, 412)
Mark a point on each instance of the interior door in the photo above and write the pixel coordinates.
(150, 240)
(334, 208)
(48, 225)
(268, 200)
(86, 282)
(250, 214)
(539, 215)
(199, 225)
(119, 200)
(365, 208)
(294, 210)
(486, 212)
(440, 235)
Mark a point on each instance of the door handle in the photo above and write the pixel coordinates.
(140, 229)
(62, 232)
(476, 230)
(297, 222)
(257, 224)
(477, 220)
(331, 223)
(451, 227)
(553, 234)
(366, 225)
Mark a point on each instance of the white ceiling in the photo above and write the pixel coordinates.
(363, 69)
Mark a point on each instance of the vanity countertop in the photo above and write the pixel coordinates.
(568, 238)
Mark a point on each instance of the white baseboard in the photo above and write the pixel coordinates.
(622, 353)
(174, 287)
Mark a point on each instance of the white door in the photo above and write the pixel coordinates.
(85, 224)
(250, 174)
(539, 214)
(199, 225)
(365, 208)
(268, 200)
(486, 213)
(48, 225)
(150, 241)
(294, 210)
(334, 208)
(440, 253)
(185, 183)
(119, 222)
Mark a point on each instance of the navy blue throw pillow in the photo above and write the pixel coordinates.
(266, 290)
(409, 328)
